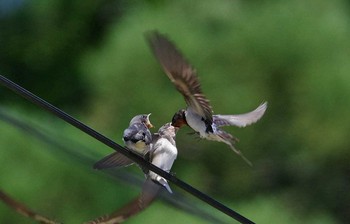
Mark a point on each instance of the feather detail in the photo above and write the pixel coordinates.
(180, 72)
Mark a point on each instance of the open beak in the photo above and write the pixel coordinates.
(148, 124)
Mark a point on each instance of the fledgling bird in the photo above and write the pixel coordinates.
(198, 114)
(137, 137)
(163, 153)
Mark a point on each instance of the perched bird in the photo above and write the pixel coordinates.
(136, 137)
(163, 153)
(198, 114)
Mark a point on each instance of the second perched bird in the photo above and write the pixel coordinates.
(136, 137)
(198, 114)
(159, 148)
(163, 152)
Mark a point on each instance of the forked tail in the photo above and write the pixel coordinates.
(240, 154)
(231, 140)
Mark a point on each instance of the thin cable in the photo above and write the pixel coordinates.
(66, 146)
(74, 122)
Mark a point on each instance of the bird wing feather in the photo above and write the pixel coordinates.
(240, 120)
(181, 73)
(115, 159)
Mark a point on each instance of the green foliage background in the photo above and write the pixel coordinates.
(91, 60)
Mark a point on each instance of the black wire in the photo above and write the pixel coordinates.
(66, 117)
(65, 146)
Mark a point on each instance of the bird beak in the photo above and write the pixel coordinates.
(148, 124)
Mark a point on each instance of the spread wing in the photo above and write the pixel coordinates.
(240, 120)
(115, 159)
(181, 73)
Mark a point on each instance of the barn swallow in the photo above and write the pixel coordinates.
(136, 137)
(162, 155)
(163, 152)
(198, 114)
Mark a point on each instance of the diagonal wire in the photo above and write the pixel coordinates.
(176, 200)
(66, 117)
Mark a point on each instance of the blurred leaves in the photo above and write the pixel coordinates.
(43, 40)
(294, 54)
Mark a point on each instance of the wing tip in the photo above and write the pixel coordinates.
(263, 106)
(99, 166)
(151, 34)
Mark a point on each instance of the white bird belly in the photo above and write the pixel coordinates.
(164, 155)
(196, 123)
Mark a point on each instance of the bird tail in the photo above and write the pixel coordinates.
(160, 181)
(238, 152)
(165, 184)
(230, 140)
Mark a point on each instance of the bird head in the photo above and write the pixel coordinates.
(143, 118)
(179, 119)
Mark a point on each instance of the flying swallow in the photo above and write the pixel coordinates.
(198, 114)
(136, 137)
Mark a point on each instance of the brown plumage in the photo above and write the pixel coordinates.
(198, 115)
(181, 73)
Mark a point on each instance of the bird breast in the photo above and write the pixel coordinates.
(196, 122)
(164, 154)
(139, 147)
